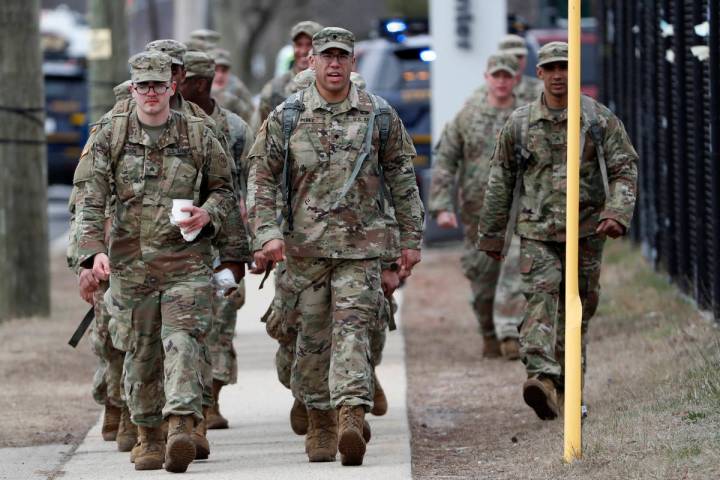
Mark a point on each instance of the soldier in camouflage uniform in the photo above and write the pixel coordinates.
(531, 155)
(286, 335)
(223, 95)
(196, 88)
(107, 381)
(463, 155)
(207, 40)
(334, 236)
(160, 293)
(528, 88)
(279, 88)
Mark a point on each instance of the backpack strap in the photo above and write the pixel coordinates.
(521, 126)
(195, 129)
(592, 125)
(381, 115)
(292, 108)
(119, 119)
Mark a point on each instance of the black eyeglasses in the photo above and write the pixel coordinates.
(341, 57)
(158, 88)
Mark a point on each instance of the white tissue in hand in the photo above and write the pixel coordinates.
(176, 214)
(224, 280)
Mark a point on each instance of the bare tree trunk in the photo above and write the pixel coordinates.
(108, 54)
(24, 273)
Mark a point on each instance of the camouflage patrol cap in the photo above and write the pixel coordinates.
(307, 27)
(221, 56)
(198, 45)
(206, 35)
(513, 45)
(553, 52)
(175, 49)
(199, 64)
(502, 61)
(122, 90)
(152, 66)
(333, 37)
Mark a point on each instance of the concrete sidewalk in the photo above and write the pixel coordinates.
(260, 444)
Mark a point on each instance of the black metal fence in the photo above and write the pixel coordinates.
(661, 75)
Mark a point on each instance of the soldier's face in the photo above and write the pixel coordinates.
(522, 62)
(301, 50)
(150, 101)
(222, 75)
(500, 84)
(193, 87)
(178, 73)
(332, 69)
(554, 76)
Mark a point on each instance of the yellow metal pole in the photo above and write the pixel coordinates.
(573, 307)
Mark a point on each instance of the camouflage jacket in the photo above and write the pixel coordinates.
(528, 90)
(230, 102)
(323, 150)
(144, 180)
(463, 155)
(234, 245)
(273, 94)
(76, 202)
(542, 196)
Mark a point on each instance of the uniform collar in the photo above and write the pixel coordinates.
(353, 100)
(540, 111)
(169, 136)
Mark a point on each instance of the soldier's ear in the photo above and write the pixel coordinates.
(312, 62)
(539, 72)
(173, 87)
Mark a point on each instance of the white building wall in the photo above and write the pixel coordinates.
(465, 33)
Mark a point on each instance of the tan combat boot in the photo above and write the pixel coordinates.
(351, 444)
(541, 395)
(215, 420)
(510, 349)
(380, 404)
(491, 347)
(151, 452)
(299, 418)
(111, 421)
(180, 450)
(367, 433)
(322, 438)
(136, 449)
(127, 435)
(199, 435)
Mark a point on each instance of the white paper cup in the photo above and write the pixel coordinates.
(177, 206)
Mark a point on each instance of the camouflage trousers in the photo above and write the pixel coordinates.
(285, 354)
(542, 337)
(496, 297)
(336, 303)
(107, 381)
(162, 330)
(222, 332)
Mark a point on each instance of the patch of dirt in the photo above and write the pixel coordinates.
(653, 394)
(45, 382)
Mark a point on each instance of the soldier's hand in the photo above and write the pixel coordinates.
(447, 219)
(88, 284)
(495, 256)
(238, 269)
(274, 250)
(199, 217)
(260, 263)
(611, 228)
(101, 266)
(390, 281)
(408, 259)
